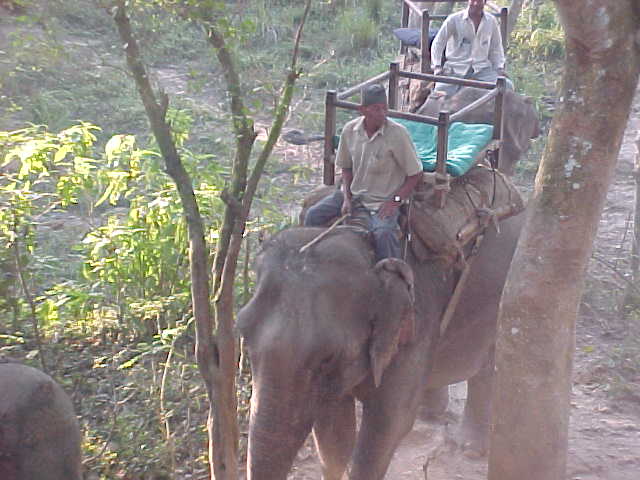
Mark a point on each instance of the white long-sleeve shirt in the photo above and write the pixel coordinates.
(467, 48)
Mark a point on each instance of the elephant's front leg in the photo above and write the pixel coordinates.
(334, 432)
(387, 416)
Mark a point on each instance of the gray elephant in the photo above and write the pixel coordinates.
(326, 327)
(39, 434)
(521, 122)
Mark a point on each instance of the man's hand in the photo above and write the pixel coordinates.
(346, 206)
(388, 208)
(502, 72)
(438, 70)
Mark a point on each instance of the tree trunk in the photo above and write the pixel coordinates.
(535, 343)
(216, 344)
(635, 256)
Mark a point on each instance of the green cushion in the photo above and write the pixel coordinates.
(465, 141)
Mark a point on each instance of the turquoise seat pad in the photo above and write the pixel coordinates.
(465, 141)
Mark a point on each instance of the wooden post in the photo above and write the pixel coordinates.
(441, 157)
(404, 23)
(425, 52)
(504, 11)
(394, 69)
(498, 117)
(329, 170)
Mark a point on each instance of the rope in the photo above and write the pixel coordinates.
(457, 292)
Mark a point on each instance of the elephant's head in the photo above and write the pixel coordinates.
(39, 434)
(319, 323)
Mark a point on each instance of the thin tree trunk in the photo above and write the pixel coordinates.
(514, 12)
(535, 344)
(216, 355)
(635, 257)
(206, 350)
(631, 300)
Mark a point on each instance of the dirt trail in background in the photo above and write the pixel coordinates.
(604, 439)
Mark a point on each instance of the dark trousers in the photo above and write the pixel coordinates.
(384, 231)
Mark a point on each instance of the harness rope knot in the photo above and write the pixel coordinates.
(487, 216)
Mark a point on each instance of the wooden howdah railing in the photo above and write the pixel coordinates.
(425, 21)
(336, 100)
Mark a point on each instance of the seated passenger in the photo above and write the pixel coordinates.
(473, 48)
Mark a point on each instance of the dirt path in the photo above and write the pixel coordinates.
(604, 439)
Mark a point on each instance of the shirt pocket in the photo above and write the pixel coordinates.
(464, 47)
(378, 163)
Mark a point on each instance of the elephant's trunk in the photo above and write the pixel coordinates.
(279, 424)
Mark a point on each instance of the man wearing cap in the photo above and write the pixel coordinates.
(380, 169)
(473, 47)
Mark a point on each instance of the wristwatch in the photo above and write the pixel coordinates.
(397, 199)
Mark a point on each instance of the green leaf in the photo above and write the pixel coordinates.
(32, 354)
(62, 152)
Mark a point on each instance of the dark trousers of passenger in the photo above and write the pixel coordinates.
(384, 231)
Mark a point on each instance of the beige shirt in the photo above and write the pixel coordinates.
(466, 47)
(380, 164)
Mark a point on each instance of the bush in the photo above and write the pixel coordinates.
(538, 37)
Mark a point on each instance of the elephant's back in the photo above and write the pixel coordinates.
(299, 247)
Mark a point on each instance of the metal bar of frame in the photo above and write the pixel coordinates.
(404, 23)
(452, 80)
(503, 27)
(425, 51)
(498, 117)
(413, 6)
(356, 89)
(504, 12)
(391, 113)
(329, 170)
(441, 158)
(394, 68)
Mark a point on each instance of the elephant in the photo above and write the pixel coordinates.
(39, 433)
(327, 326)
(521, 122)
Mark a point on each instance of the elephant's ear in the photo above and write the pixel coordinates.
(394, 320)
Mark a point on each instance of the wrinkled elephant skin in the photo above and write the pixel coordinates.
(39, 434)
(325, 327)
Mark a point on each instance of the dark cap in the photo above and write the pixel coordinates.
(373, 94)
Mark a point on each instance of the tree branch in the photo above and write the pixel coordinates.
(205, 347)
(245, 137)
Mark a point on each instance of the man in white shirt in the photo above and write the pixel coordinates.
(380, 169)
(473, 47)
